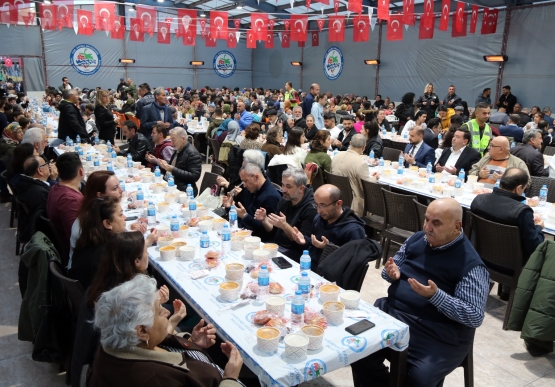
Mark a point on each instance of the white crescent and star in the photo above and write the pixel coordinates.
(86, 20)
(219, 26)
(46, 12)
(186, 20)
(285, 37)
(314, 36)
(256, 24)
(445, 11)
(363, 25)
(339, 25)
(62, 6)
(104, 19)
(302, 25)
(393, 23)
(117, 24)
(428, 6)
(164, 31)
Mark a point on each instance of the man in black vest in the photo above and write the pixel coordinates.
(439, 287)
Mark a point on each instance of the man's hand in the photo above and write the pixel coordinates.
(424, 291)
(234, 363)
(497, 176)
(203, 336)
(392, 270)
(409, 159)
(317, 243)
(241, 211)
(115, 148)
(276, 220)
(298, 236)
(222, 182)
(425, 103)
(439, 168)
(159, 122)
(167, 125)
(227, 200)
(164, 165)
(484, 173)
(53, 171)
(375, 175)
(237, 116)
(452, 170)
(260, 214)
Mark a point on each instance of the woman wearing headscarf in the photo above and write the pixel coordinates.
(11, 137)
(221, 131)
(230, 140)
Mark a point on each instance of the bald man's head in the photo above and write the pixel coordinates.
(443, 222)
(499, 148)
(328, 199)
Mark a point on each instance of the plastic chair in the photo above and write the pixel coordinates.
(344, 185)
(401, 220)
(391, 154)
(549, 151)
(374, 205)
(278, 188)
(215, 145)
(318, 179)
(420, 213)
(135, 120)
(46, 226)
(502, 258)
(275, 172)
(208, 180)
(398, 145)
(536, 185)
(72, 287)
(330, 248)
(217, 169)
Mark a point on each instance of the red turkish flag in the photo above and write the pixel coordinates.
(48, 16)
(84, 20)
(271, 24)
(187, 22)
(20, 10)
(285, 40)
(259, 25)
(427, 16)
(136, 34)
(269, 42)
(489, 21)
(315, 38)
(444, 22)
(231, 38)
(321, 23)
(459, 16)
(326, 2)
(408, 11)
(237, 23)
(104, 14)
(463, 21)
(251, 39)
(427, 32)
(29, 18)
(299, 24)
(286, 25)
(355, 6)
(148, 16)
(118, 28)
(307, 5)
(5, 12)
(300, 44)
(474, 19)
(189, 37)
(383, 9)
(210, 40)
(336, 28)
(164, 32)
(218, 24)
(64, 13)
(360, 29)
(336, 6)
(395, 27)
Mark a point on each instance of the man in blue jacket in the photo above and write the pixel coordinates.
(417, 152)
(156, 113)
(309, 99)
(243, 117)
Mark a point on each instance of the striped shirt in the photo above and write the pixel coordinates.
(468, 304)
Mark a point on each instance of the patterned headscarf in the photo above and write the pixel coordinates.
(10, 133)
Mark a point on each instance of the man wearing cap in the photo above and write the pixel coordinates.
(459, 110)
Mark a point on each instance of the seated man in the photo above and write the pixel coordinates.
(163, 148)
(504, 206)
(344, 138)
(491, 167)
(333, 224)
(522, 114)
(139, 146)
(512, 129)
(295, 212)
(431, 131)
(500, 117)
(329, 124)
(417, 152)
(64, 198)
(439, 287)
(459, 156)
(349, 163)
(530, 152)
(185, 164)
(258, 192)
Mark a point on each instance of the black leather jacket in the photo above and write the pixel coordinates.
(188, 167)
(138, 147)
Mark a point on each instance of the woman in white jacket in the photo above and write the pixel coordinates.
(293, 155)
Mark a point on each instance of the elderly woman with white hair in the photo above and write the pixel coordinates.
(137, 350)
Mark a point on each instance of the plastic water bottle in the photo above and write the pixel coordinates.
(204, 240)
(401, 159)
(190, 192)
(171, 181)
(304, 285)
(89, 156)
(79, 151)
(174, 227)
(429, 168)
(70, 142)
(297, 307)
(129, 161)
(109, 146)
(400, 169)
(431, 182)
(264, 282)
(543, 195)
(305, 261)
(157, 174)
(226, 239)
(109, 166)
(140, 194)
(462, 175)
(393, 132)
(96, 162)
(96, 140)
(496, 185)
(192, 208)
(406, 135)
(384, 132)
(524, 198)
(513, 145)
(232, 218)
(335, 152)
(285, 136)
(151, 214)
(381, 162)
(122, 185)
(67, 140)
(372, 156)
(458, 187)
(78, 139)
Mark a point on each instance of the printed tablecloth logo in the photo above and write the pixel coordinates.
(313, 369)
(354, 343)
(295, 279)
(389, 336)
(196, 266)
(85, 59)
(224, 64)
(333, 63)
(213, 280)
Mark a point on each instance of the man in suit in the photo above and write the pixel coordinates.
(529, 153)
(344, 139)
(547, 116)
(65, 85)
(158, 112)
(71, 121)
(459, 156)
(431, 132)
(417, 151)
(512, 129)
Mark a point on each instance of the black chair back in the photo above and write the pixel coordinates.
(536, 185)
(373, 198)
(399, 146)
(275, 172)
(420, 213)
(549, 151)
(344, 185)
(208, 180)
(72, 287)
(400, 211)
(330, 248)
(46, 226)
(362, 275)
(318, 179)
(215, 145)
(217, 169)
(391, 154)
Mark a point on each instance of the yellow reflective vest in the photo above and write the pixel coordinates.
(480, 144)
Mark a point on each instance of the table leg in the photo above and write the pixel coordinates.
(397, 367)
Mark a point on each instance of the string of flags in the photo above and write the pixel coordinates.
(187, 25)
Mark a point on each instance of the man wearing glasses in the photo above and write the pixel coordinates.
(333, 224)
(491, 167)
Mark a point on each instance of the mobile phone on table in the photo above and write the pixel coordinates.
(359, 327)
(282, 263)
(131, 218)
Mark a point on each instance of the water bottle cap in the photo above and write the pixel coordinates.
(232, 208)
(188, 185)
(140, 189)
(204, 232)
(264, 267)
(305, 252)
(226, 226)
(174, 217)
(150, 203)
(298, 292)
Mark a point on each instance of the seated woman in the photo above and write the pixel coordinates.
(137, 350)
(319, 150)
(272, 146)
(311, 129)
(251, 134)
(104, 219)
(293, 155)
(371, 131)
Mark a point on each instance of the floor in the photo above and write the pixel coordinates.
(500, 358)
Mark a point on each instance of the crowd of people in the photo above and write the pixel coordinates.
(259, 129)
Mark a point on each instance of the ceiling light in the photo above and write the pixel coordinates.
(202, 14)
(238, 6)
(496, 58)
(133, 8)
(126, 60)
(47, 2)
(196, 63)
(297, 64)
(372, 62)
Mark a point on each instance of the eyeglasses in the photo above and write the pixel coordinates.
(322, 206)
(45, 164)
(495, 146)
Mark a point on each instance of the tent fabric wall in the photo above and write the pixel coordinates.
(529, 70)
(20, 40)
(33, 71)
(272, 67)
